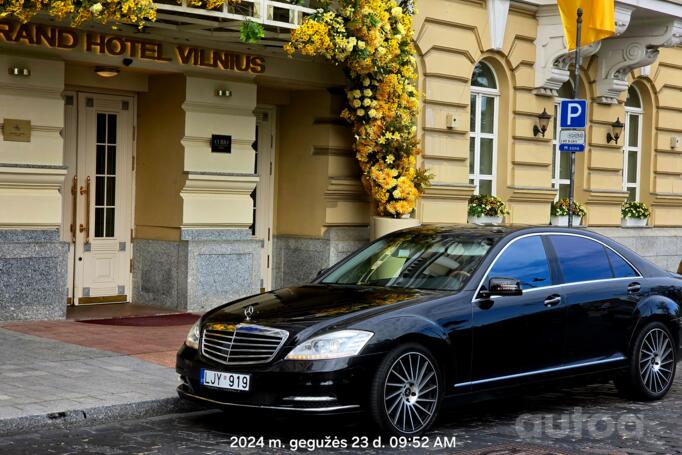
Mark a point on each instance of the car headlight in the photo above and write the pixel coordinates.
(334, 345)
(193, 336)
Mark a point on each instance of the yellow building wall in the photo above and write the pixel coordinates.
(317, 178)
(451, 37)
(159, 173)
(31, 173)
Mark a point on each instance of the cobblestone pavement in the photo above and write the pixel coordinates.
(579, 420)
(54, 377)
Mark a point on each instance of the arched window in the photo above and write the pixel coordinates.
(483, 129)
(632, 144)
(561, 162)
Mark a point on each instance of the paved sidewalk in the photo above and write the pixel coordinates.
(45, 381)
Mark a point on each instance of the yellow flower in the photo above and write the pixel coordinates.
(366, 102)
(397, 11)
(357, 103)
(361, 112)
(367, 92)
(390, 159)
(372, 113)
(357, 93)
(361, 45)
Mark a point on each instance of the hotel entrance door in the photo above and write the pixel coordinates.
(98, 141)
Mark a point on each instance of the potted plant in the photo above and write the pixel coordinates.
(634, 214)
(559, 212)
(486, 209)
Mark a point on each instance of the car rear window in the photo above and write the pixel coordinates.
(621, 269)
(581, 259)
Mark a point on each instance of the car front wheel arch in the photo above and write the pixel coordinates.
(439, 348)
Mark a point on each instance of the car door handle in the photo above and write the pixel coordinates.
(633, 288)
(552, 300)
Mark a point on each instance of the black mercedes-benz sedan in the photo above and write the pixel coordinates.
(440, 313)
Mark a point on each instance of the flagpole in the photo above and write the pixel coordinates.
(576, 88)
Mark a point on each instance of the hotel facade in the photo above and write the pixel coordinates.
(177, 166)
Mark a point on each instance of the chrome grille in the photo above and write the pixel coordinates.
(242, 343)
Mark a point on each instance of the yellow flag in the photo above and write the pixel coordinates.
(599, 20)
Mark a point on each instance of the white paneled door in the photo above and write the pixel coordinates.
(101, 185)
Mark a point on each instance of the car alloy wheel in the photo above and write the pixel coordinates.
(411, 392)
(656, 361)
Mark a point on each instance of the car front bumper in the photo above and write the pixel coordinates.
(333, 386)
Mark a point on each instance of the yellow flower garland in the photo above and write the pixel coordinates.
(372, 39)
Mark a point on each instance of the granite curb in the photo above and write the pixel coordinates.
(76, 418)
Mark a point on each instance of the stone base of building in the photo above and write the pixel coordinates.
(33, 274)
(204, 269)
(299, 259)
(662, 246)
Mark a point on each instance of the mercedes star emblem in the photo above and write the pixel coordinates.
(248, 312)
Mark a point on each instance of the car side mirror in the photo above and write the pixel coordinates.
(504, 287)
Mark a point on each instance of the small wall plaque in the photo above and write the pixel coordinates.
(221, 143)
(16, 130)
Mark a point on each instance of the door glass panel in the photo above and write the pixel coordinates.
(564, 165)
(487, 114)
(472, 155)
(564, 190)
(632, 166)
(105, 178)
(632, 194)
(525, 260)
(254, 193)
(485, 187)
(633, 139)
(486, 156)
(621, 269)
(472, 114)
(581, 259)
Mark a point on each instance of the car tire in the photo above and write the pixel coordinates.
(407, 391)
(652, 365)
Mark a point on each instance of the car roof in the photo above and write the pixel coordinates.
(508, 231)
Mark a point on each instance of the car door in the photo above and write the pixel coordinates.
(601, 290)
(518, 335)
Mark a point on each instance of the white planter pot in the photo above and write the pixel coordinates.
(634, 222)
(563, 220)
(379, 226)
(485, 219)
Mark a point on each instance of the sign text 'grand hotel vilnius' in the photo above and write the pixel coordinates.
(114, 45)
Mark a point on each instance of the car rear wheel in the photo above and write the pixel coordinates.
(406, 391)
(652, 364)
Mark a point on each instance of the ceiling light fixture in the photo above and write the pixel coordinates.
(107, 71)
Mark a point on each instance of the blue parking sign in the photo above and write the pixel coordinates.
(573, 114)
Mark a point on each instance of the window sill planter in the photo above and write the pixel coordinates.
(485, 219)
(634, 222)
(563, 221)
(379, 226)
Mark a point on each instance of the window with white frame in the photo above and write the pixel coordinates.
(561, 162)
(632, 144)
(483, 129)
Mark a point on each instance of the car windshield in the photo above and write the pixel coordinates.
(416, 261)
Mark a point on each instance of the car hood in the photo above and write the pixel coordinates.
(303, 306)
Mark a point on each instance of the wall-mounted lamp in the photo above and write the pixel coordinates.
(616, 131)
(543, 123)
(223, 92)
(19, 71)
(107, 71)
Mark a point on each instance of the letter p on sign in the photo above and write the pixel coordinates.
(573, 114)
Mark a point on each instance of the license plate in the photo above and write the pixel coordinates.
(222, 380)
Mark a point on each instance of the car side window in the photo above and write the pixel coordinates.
(524, 260)
(621, 269)
(581, 259)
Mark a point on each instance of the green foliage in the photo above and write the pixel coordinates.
(560, 208)
(486, 205)
(633, 209)
(251, 32)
